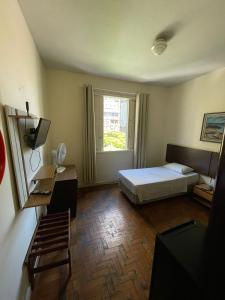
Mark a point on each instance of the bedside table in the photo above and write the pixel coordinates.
(202, 195)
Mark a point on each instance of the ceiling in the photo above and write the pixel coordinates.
(113, 38)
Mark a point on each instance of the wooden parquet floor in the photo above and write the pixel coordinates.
(112, 246)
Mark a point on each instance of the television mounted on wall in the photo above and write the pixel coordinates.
(38, 136)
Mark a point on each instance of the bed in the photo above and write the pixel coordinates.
(151, 184)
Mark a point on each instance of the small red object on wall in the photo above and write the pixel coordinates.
(2, 157)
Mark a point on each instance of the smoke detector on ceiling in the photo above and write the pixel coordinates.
(159, 46)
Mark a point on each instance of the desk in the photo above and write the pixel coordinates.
(45, 178)
(64, 195)
(63, 186)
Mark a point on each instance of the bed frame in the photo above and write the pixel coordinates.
(202, 161)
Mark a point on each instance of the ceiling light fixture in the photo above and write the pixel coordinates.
(159, 46)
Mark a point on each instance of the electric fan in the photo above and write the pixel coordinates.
(59, 156)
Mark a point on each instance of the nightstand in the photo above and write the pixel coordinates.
(203, 195)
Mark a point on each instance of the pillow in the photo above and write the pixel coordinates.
(182, 169)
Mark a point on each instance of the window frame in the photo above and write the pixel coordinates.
(99, 116)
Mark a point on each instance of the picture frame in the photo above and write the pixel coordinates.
(213, 127)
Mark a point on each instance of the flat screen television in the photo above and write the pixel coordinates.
(39, 135)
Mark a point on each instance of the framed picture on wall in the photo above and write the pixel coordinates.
(213, 127)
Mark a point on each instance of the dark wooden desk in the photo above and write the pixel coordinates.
(64, 195)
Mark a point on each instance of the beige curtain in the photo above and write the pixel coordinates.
(140, 140)
(89, 138)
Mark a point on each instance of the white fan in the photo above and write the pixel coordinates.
(58, 156)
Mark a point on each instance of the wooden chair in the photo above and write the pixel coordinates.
(51, 234)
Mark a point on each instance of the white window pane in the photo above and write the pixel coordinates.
(116, 111)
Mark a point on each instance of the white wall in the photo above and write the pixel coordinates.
(109, 163)
(186, 106)
(21, 79)
(66, 107)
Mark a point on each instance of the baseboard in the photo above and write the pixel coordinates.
(28, 293)
(97, 184)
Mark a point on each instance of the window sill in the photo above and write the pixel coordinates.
(115, 151)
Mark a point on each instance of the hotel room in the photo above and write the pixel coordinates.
(135, 95)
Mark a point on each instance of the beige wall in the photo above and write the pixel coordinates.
(186, 106)
(66, 106)
(21, 79)
(175, 117)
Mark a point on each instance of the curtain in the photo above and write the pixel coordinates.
(99, 121)
(89, 138)
(140, 141)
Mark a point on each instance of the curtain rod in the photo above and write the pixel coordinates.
(111, 91)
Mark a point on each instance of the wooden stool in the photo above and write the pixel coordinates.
(51, 234)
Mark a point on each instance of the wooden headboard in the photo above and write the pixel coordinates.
(202, 161)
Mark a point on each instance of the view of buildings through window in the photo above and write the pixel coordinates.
(116, 112)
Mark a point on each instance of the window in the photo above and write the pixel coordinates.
(114, 122)
(115, 130)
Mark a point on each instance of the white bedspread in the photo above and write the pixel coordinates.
(154, 183)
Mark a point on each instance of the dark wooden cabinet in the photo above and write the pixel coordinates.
(177, 269)
(64, 195)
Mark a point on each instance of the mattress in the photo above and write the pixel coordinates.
(154, 183)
